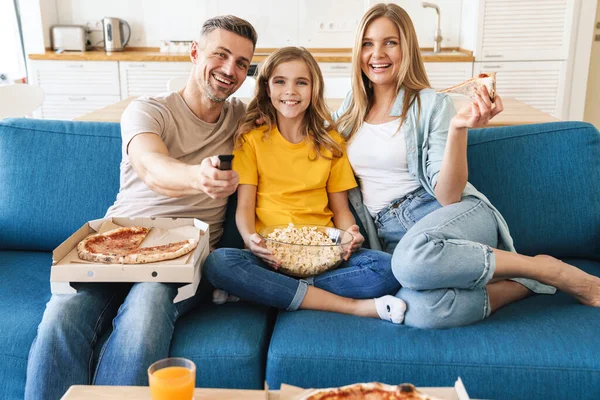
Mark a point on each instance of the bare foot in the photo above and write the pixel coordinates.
(573, 281)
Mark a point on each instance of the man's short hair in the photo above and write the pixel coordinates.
(232, 24)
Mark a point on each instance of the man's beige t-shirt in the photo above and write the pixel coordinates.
(189, 140)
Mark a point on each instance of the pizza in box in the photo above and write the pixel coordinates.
(122, 246)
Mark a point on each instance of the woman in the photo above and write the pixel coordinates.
(452, 250)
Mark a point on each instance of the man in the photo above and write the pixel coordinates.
(169, 168)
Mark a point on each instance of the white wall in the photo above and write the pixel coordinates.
(279, 23)
(36, 19)
(586, 63)
(424, 20)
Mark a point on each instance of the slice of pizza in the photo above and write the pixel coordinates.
(110, 246)
(164, 252)
(371, 391)
(469, 88)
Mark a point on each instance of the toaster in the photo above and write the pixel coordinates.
(68, 37)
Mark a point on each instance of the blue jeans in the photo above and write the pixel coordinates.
(142, 316)
(442, 257)
(366, 274)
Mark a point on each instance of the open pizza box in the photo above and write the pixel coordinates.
(458, 392)
(68, 268)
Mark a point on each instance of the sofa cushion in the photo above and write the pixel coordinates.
(25, 292)
(54, 176)
(543, 347)
(228, 343)
(544, 180)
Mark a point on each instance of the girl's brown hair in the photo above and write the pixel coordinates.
(317, 118)
(411, 74)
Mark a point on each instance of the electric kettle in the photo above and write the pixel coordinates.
(114, 35)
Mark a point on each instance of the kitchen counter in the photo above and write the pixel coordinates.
(515, 112)
(153, 54)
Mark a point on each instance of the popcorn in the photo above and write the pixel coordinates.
(317, 253)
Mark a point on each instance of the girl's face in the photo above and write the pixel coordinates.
(290, 89)
(381, 55)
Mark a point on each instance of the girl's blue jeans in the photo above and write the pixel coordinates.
(366, 274)
(442, 257)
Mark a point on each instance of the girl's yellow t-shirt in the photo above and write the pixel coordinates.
(290, 186)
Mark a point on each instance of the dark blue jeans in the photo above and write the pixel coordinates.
(366, 274)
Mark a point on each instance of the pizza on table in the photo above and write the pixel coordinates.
(370, 391)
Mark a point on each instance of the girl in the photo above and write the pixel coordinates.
(293, 169)
(452, 251)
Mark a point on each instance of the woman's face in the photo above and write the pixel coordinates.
(381, 55)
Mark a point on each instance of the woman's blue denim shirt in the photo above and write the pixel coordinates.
(427, 132)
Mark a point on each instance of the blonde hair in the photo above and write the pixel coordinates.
(317, 119)
(411, 74)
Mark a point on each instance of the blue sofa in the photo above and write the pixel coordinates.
(545, 179)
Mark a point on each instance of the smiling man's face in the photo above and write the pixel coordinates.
(221, 59)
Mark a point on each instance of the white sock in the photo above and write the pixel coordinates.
(390, 308)
(222, 297)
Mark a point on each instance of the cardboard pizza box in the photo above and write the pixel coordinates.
(68, 268)
(458, 392)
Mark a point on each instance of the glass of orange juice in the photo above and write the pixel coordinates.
(172, 379)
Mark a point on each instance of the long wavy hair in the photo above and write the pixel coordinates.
(411, 74)
(317, 120)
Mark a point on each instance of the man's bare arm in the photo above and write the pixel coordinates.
(165, 175)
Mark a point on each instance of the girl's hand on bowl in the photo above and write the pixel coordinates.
(357, 241)
(257, 246)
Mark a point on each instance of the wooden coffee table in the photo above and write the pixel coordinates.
(143, 393)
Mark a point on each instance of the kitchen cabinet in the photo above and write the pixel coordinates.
(76, 88)
(150, 77)
(529, 43)
(73, 88)
(444, 74)
(337, 78)
(541, 84)
(525, 29)
(68, 107)
(246, 91)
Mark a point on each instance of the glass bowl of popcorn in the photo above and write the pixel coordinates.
(306, 250)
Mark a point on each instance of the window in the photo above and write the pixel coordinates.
(12, 63)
